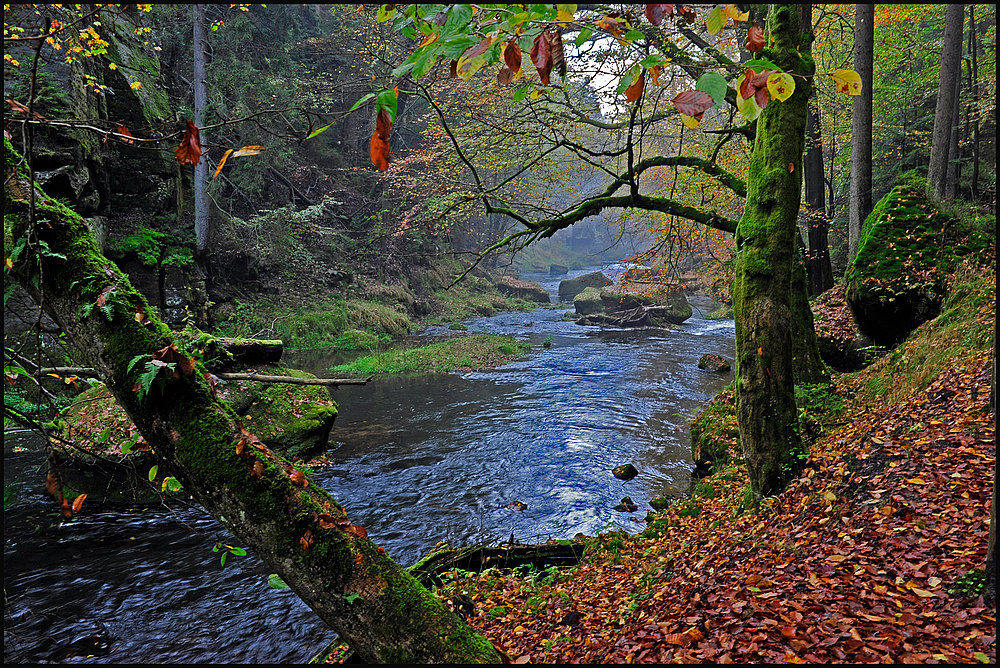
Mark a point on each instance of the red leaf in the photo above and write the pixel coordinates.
(454, 70)
(693, 102)
(298, 478)
(634, 92)
(354, 529)
(189, 152)
(380, 140)
(51, 483)
(512, 56)
(755, 39)
(655, 13)
(556, 57)
(122, 130)
(541, 57)
(78, 502)
(471, 53)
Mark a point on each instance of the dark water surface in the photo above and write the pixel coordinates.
(416, 460)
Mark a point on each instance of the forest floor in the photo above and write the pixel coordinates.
(870, 555)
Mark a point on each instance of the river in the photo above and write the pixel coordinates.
(416, 459)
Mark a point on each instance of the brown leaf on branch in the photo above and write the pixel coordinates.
(78, 502)
(693, 103)
(380, 140)
(505, 76)
(512, 56)
(189, 152)
(755, 39)
(556, 55)
(541, 57)
(656, 13)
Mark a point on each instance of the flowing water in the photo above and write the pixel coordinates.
(417, 459)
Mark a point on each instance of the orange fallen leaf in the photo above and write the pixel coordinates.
(78, 502)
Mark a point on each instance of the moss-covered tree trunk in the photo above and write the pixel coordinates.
(766, 247)
(293, 526)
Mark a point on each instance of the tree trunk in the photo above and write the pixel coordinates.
(765, 242)
(807, 364)
(974, 102)
(818, 265)
(295, 527)
(202, 221)
(861, 127)
(944, 111)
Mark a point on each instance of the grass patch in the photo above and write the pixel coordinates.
(350, 324)
(480, 351)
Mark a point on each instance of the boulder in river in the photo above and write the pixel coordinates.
(523, 290)
(627, 505)
(712, 362)
(571, 287)
(558, 269)
(588, 302)
(625, 472)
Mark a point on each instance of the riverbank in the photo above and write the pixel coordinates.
(874, 554)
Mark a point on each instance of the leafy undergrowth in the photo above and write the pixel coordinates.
(852, 563)
(479, 351)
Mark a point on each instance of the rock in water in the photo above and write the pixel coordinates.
(712, 362)
(625, 472)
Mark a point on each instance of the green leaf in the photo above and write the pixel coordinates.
(173, 484)
(351, 598)
(409, 31)
(385, 13)
(103, 438)
(275, 582)
(135, 360)
(319, 130)
(238, 551)
(152, 472)
(584, 35)
(459, 18)
(523, 92)
(633, 35)
(981, 657)
(760, 64)
(222, 559)
(714, 84)
(364, 100)
(386, 99)
(715, 21)
(127, 446)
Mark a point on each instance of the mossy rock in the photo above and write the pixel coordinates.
(713, 362)
(714, 432)
(294, 420)
(665, 304)
(588, 302)
(523, 290)
(897, 280)
(571, 287)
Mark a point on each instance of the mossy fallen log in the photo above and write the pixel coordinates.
(477, 558)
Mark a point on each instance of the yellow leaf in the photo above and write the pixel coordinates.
(222, 163)
(9, 263)
(916, 481)
(848, 81)
(733, 12)
(837, 558)
(690, 121)
(781, 86)
(829, 497)
(933, 581)
(923, 593)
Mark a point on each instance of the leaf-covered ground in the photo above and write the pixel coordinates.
(854, 562)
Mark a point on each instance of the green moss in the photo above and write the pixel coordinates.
(466, 352)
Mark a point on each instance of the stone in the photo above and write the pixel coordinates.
(571, 287)
(558, 269)
(897, 280)
(625, 472)
(588, 302)
(627, 505)
(716, 363)
(527, 290)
